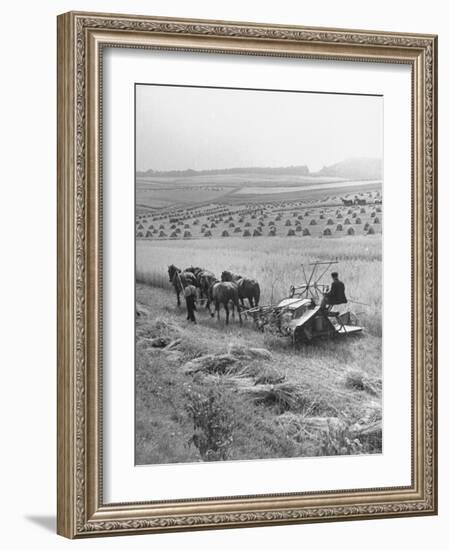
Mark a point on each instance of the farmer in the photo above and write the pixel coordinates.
(190, 296)
(336, 294)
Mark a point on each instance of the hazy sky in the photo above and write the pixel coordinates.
(202, 128)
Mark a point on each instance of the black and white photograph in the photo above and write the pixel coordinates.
(258, 274)
(221, 275)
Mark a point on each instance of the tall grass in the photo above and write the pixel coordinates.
(276, 263)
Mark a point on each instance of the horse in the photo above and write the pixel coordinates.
(223, 293)
(180, 279)
(246, 288)
(206, 279)
(195, 270)
(230, 276)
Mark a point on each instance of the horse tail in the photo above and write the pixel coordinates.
(257, 293)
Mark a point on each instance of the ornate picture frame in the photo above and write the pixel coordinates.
(82, 38)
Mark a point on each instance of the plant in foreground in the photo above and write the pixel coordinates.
(213, 423)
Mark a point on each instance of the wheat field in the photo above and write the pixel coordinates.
(276, 264)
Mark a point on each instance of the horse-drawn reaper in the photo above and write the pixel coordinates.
(304, 315)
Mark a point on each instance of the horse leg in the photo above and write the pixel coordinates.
(206, 293)
(233, 310)
(227, 313)
(209, 300)
(238, 311)
(177, 298)
(217, 309)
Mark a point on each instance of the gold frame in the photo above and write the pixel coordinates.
(81, 37)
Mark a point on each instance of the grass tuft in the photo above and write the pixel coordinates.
(359, 380)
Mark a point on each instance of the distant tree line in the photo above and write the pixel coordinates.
(293, 170)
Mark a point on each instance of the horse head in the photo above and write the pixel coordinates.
(229, 277)
(226, 276)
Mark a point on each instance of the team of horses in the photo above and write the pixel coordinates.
(231, 291)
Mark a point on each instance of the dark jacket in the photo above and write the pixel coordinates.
(336, 294)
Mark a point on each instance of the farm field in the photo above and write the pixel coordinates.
(275, 263)
(199, 388)
(233, 180)
(331, 386)
(312, 186)
(157, 192)
(324, 216)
